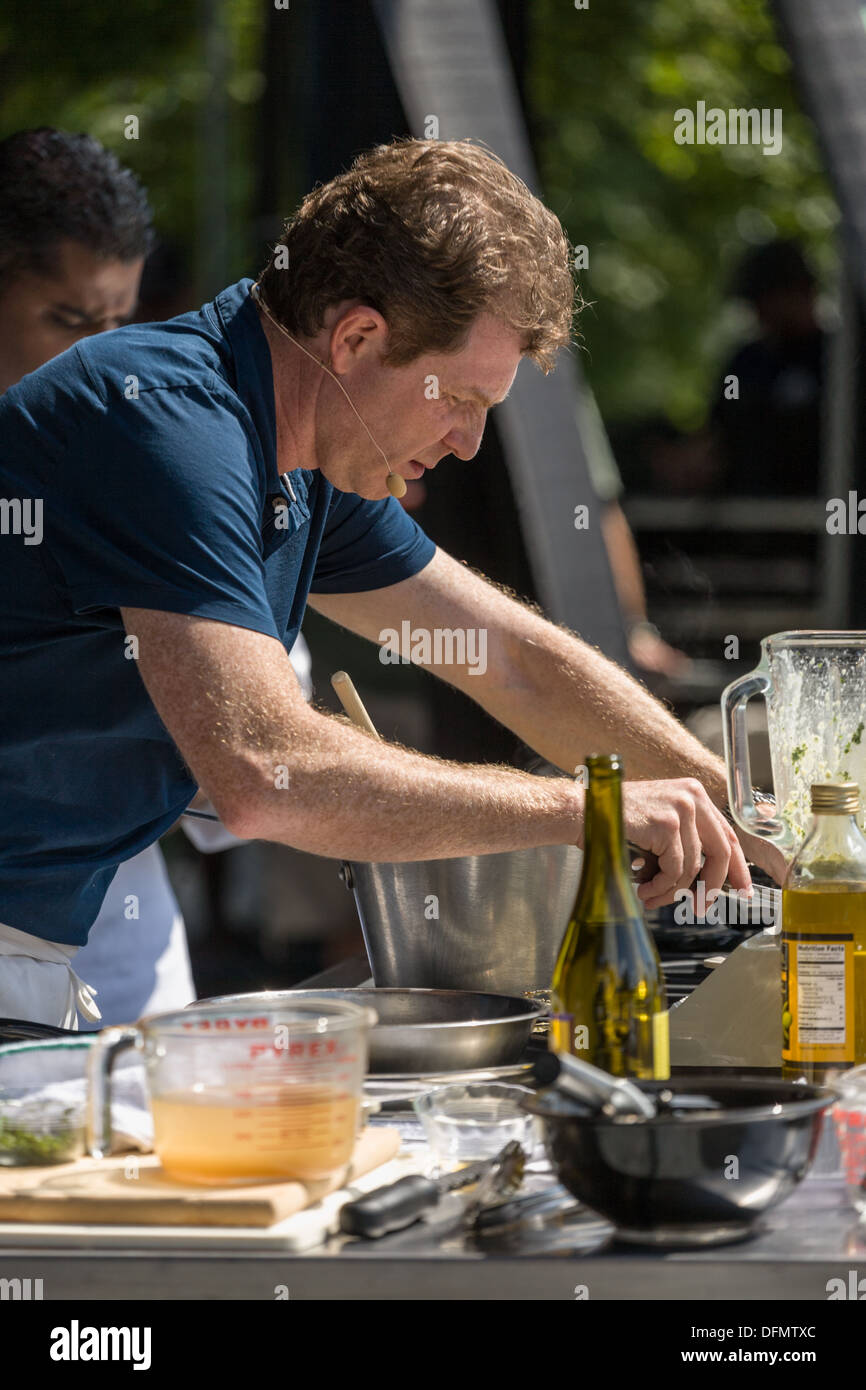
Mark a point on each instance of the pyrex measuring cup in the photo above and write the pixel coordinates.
(239, 1094)
(814, 684)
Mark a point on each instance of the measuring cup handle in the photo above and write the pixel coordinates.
(103, 1054)
(738, 762)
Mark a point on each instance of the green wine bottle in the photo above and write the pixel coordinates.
(608, 994)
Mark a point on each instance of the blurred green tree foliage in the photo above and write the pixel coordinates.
(663, 223)
(87, 65)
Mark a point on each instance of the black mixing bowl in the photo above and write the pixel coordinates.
(692, 1176)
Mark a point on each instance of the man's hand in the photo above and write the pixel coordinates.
(677, 822)
(765, 854)
(652, 653)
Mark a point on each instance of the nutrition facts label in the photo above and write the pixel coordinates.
(821, 992)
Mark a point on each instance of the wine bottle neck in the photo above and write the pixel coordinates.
(606, 859)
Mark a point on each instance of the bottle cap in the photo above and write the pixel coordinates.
(839, 798)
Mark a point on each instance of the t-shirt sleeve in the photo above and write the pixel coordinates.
(156, 503)
(368, 545)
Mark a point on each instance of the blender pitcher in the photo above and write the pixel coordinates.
(243, 1094)
(814, 684)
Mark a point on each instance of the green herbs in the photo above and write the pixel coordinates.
(855, 737)
(797, 754)
(22, 1147)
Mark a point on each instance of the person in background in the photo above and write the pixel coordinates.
(75, 228)
(766, 416)
(648, 650)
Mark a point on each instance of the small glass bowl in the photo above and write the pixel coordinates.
(466, 1123)
(42, 1090)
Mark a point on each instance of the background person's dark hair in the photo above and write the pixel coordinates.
(58, 187)
(776, 265)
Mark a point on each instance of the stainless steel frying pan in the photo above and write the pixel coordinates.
(425, 1030)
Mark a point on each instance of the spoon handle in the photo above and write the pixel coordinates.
(598, 1088)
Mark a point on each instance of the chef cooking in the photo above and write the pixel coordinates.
(198, 482)
(74, 232)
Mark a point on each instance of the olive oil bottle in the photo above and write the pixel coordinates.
(608, 995)
(824, 941)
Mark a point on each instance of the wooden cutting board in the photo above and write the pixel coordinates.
(133, 1189)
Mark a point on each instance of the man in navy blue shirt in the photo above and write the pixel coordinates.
(75, 227)
(194, 484)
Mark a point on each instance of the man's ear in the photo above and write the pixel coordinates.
(357, 331)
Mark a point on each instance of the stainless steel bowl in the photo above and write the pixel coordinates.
(425, 1030)
(485, 922)
(688, 1178)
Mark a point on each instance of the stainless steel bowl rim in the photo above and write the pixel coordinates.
(741, 1114)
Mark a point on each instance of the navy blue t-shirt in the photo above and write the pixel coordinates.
(151, 451)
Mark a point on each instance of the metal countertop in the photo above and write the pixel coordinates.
(812, 1238)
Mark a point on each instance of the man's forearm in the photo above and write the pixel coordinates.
(566, 700)
(276, 769)
(560, 696)
(350, 796)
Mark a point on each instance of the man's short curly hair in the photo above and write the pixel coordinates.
(59, 187)
(431, 234)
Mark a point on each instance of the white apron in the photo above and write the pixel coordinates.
(37, 981)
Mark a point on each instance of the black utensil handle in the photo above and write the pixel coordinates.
(23, 1030)
(389, 1208)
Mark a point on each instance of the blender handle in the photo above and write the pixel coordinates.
(737, 761)
(101, 1059)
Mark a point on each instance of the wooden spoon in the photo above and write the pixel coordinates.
(352, 702)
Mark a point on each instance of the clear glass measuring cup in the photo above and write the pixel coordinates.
(243, 1095)
(814, 684)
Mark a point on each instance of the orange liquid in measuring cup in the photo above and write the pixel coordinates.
(302, 1132)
